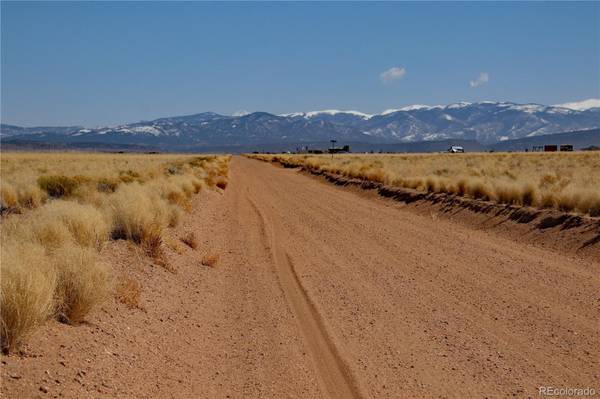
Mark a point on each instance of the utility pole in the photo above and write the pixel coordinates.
(332, 147)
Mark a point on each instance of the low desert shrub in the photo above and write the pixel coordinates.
(58, 186)
(27, 291)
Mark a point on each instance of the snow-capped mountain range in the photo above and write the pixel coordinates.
(487, 122)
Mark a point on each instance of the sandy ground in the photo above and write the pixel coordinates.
(321, 292)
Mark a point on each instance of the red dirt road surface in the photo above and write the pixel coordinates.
(320, 292)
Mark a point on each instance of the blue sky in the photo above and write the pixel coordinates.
(107, 63)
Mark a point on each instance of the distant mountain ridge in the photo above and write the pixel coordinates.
(486, 122)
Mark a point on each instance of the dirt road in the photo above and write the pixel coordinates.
(321, 292)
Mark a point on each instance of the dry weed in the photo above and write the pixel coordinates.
(174, 245)
(210, 259)
(190, 240)
(163, 262)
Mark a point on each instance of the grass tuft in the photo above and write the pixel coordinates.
(27, 292)
(58, 186)
(128, 292)
(137, 213)
(86, 224)
(152, 240)
(82, 283)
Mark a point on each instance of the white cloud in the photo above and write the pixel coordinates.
(241, 113)
(482, 79)
(391, 74)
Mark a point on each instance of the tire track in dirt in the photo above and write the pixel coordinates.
(477, 314)
(334, 376)
(321, 292)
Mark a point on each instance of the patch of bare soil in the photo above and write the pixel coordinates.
(320, 292)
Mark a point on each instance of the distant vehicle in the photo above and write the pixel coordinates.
(456, 149)
(339, 150)
(550, 148)
(566, 147)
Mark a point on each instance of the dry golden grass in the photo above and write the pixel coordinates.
(58, 210)
(28, 284)
(128, 292)
(137, 212)
(58, 186)
(566, 181)
(28, 178)
(87, 225)
(81, 284)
